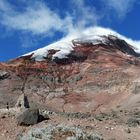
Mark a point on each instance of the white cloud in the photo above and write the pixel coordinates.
(84, 14)
(4, 6)
(38, 18)
(121, 7)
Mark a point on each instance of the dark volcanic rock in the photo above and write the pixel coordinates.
(28, 117)
(121, 45)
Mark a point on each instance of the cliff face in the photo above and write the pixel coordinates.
(93, 76)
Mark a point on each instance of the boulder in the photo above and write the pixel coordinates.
(28, 117)
(3, 75)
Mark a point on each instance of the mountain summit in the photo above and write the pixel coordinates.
(95, 37)
(62, 50)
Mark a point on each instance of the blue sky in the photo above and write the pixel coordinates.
(26, 25)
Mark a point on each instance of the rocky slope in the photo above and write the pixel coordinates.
(94, 74)
(89, 76)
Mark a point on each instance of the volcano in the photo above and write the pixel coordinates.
(90, 74)
(67, 75)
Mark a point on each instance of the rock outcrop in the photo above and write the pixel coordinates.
(22, 102)
(21, 105)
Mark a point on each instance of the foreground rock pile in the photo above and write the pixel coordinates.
(24, 114)
(58, 132)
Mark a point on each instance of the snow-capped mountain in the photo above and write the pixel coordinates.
(93, 36)
(92, 71)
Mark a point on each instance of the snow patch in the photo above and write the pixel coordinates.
(64, 48)
(94, 39)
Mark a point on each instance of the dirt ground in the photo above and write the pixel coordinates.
(109, 127)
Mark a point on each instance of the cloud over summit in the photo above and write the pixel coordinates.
(38, 18)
